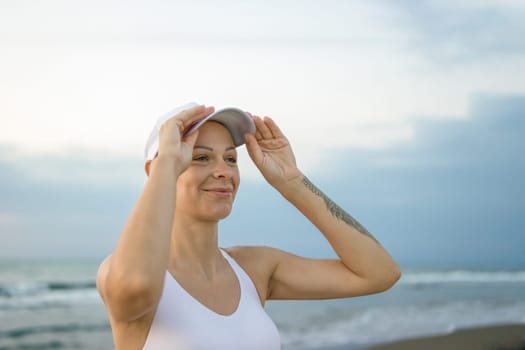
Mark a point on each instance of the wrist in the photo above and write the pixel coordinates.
(292, 186)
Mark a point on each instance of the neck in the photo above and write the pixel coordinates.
(195, 248)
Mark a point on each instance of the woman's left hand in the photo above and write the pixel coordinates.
(271, 152)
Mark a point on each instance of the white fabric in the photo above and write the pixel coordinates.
(183, 323)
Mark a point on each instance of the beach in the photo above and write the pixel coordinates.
(501, 337)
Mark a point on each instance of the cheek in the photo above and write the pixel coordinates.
(236, 180)
(182, 192)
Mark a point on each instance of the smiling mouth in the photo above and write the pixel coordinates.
(221, 192)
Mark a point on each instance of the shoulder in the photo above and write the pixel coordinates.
(243, 250)
(259, 262)
(251, 256)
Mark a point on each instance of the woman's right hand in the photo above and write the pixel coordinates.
(172, 143)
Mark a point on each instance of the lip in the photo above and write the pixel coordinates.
(220, 191)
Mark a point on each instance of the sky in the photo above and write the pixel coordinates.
(408, 114)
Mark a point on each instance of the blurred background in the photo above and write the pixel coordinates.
(409, 114)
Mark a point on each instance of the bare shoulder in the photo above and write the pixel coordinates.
(255, 254)
(259, 262)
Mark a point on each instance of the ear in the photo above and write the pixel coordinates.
(147, 167)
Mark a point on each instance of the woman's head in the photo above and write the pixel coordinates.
(207, 188)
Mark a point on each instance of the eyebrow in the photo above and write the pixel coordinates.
(211, 149)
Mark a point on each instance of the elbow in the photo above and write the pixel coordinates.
(122, 289)
(389, 278)
(128, 298)
(395, 275)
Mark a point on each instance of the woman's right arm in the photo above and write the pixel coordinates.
(130, 281)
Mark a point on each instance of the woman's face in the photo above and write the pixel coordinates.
(207, 188)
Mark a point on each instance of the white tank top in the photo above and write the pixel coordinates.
(182, 323)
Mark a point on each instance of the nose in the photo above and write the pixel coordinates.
(222, 170)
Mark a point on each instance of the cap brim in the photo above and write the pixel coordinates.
(235, 120)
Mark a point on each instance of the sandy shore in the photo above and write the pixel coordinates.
(507, 337)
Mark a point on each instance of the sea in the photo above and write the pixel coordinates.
(55, 305)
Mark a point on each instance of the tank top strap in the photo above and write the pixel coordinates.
(246, 283)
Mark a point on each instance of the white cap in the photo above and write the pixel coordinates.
(235, 120)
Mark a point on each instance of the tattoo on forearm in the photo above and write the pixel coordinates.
(336, 210)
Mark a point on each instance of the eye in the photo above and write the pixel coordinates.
(231, 159)
(201, 158)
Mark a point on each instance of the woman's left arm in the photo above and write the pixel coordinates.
(363, 267)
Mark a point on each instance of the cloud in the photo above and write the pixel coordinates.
(455, 32)
(106, 70)
(452, 195)
(198, 21)
(64, 206)
(340, 79)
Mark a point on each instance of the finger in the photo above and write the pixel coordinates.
(184, 118)
(262, 128)
(275, 130)
(253, 148)
(258, 135)
(191, 116)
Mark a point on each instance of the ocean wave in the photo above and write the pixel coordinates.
(65, 293)
(462, 276)
(34, 288)
(387, 323)
(44, 294)
(64, 328)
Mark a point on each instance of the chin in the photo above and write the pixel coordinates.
(217, 215)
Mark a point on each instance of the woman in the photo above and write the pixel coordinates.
(169, 286)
